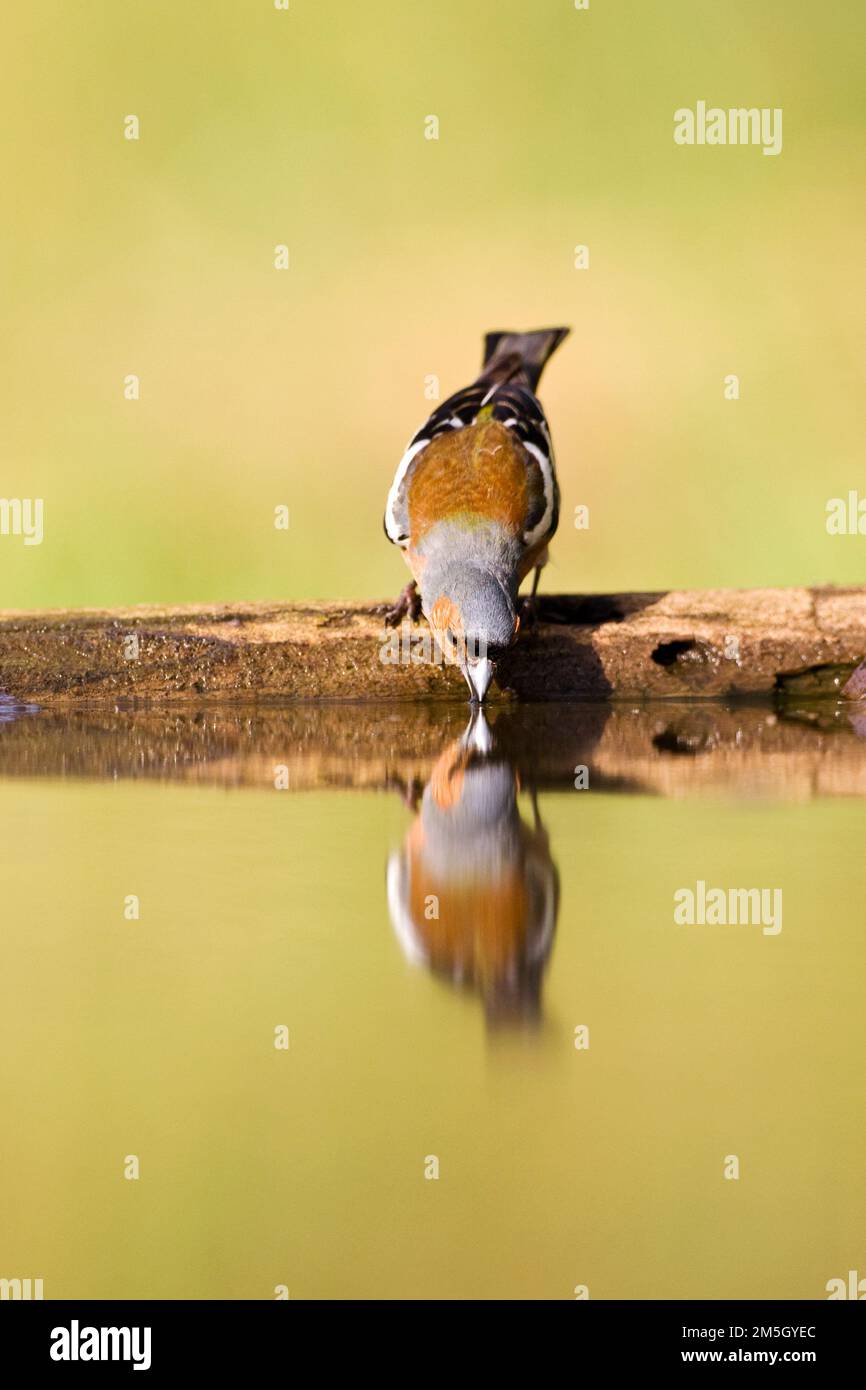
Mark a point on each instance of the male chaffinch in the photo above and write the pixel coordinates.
(474, 503)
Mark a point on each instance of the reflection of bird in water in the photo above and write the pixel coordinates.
(473, 894)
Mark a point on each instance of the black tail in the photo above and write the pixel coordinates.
(520, 357)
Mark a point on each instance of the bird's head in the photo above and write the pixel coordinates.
(474, 620)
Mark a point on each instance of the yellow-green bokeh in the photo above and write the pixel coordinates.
(305, 1167)
(261, 387)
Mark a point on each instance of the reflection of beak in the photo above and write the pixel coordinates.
(478, 735)
(478, 676)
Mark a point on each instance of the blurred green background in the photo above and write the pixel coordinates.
(261, 387)
(305, 1167)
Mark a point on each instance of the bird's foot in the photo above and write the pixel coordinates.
(410, 792)
(408, 605)
(528, 612)
(855, 689)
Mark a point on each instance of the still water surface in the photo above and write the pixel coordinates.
(432, 911)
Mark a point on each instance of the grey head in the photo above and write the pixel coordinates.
(472, 610)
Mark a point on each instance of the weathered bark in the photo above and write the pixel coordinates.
(722, 643)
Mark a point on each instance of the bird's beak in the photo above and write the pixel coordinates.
(478, 676)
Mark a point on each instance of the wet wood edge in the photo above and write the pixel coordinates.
(718, 643)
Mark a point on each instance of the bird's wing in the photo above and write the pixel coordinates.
(515, 408)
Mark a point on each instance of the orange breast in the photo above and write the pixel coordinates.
(482, 925)
(481, 471)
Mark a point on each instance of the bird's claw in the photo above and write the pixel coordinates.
(408, 605)
(528, 612)
(855, 689)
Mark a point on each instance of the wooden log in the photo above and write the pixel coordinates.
(724, 643)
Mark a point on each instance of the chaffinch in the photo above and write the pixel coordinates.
(473, 894)
(474, 503)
